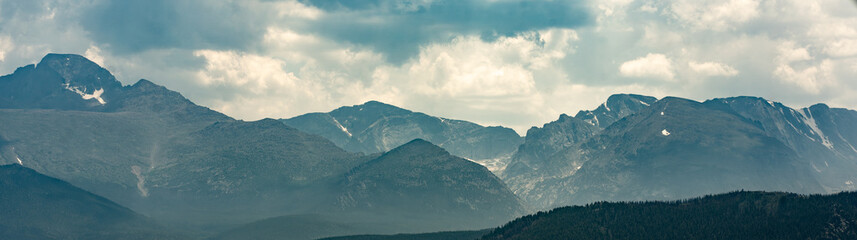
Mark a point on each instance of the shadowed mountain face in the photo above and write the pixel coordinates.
(150, 149)
(737, 215)
(825, 137)
(545, 153)
(676, 148)
(377, 127)
(420, 176)
(417, 187)
(35, 206)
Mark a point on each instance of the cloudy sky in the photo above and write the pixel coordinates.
(514, 63)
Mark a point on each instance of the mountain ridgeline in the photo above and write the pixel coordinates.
(35, 206)
(676, 148)
(124, 157)
(152, 150)
(375, 127)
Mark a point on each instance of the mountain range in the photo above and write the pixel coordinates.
(150, 155)
(677, 148)
(375, 127)
(152, 150)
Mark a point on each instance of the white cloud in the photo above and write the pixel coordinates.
(259, 85)
(297, 10)
(5, 45)
(797, 52)
(715, 15)
(712, 69)
(649, 8)
(842, 48)
(653, 65)
(810, 79)
(93, 53)
(789, 52)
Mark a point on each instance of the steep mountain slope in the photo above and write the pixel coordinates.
(826, 137)
(377, 127)
(679, 148)
(35, 206)
(153, 150)
(243, 171)
(616, 107)
(424, 180)
(548, 152)
(737, 215)
(150, 149)
(417, 187)
(676, 148)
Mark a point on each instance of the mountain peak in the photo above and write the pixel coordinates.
(419, 144)
(616, 107)
(373, 104)
(79, 72)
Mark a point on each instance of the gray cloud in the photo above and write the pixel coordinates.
(398, 29)
(135, 26)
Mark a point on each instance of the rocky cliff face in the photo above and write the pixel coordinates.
(553, 151)
(676, 148)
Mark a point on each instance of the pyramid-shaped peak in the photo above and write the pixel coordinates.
(379, 105)
(416, 147)
(420, 144)
(79, 72)
(372, 108)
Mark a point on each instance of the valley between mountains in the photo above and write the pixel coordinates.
(141, 161)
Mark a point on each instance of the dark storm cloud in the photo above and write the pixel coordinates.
(395, 28)
(136, 25)
(399, 28)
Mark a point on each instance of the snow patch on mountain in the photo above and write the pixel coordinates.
(86, 96)
(593, 121)
(342, 127)
(141, 181)
(810, 121)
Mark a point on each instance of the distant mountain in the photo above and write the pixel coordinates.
(825, 137)
(616, 107)
(424, 180)
(150, 149)
(378, 127)
(35, 206)
(675, 148)
(544, 155)
(417, 187)
(690, 150)
(737, 215)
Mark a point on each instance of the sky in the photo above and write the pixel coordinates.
(514, 63)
